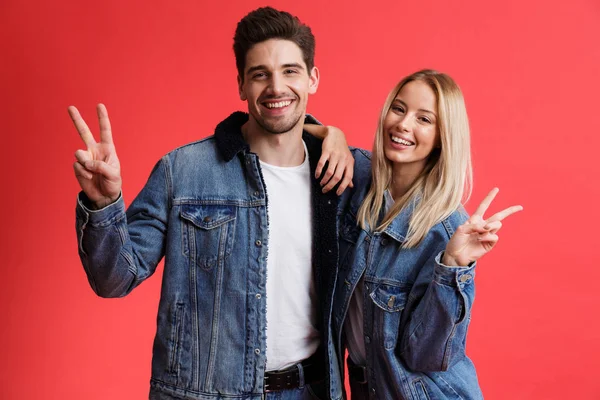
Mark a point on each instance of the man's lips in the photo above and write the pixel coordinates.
(276, 107)
(276, 104)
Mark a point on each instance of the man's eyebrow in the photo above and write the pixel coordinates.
(293, 65)
(264, 67)
(256, 68)
(420, 109)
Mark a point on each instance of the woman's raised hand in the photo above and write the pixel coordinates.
(477, 236)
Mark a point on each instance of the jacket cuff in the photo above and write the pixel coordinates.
(453, 276)
(102, 217)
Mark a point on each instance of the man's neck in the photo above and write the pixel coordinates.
(282, 150)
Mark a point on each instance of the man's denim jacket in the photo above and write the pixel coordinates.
(416, 310)
(204, 208)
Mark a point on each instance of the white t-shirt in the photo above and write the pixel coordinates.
(354, 324)
(291, 296)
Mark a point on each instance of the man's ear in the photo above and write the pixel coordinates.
(313, 82)
(241, 88)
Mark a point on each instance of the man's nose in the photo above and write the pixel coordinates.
(277, 84)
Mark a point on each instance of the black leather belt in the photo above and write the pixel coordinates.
(357, 373)
(313, 370)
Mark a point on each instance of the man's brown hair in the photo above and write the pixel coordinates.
(268, 23)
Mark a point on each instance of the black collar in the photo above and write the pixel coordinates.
(228, 135)
(229, 138)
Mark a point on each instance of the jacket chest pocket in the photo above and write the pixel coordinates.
(389, 301)
(207, 233)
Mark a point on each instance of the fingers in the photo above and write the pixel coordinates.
(483, 232)
(490, 239)
(480, 228)
(333, 175)
(331, 167)
(470, 228)
(493, 227)
(81, 126)
(82, 156)
(321, 164)
(347, 181)
(80, 171)
(483, 206)
(100, 167)
(104, 122)
(499, 216)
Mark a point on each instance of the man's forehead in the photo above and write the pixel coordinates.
(273, 54)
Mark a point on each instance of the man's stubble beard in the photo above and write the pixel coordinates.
(279, 128)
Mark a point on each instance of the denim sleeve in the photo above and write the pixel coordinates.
(436, 317)
(119, 249)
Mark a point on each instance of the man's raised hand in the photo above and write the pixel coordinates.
(97, 168)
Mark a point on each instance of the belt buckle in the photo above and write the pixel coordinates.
(266, 385)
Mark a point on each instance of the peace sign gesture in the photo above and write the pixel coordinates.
(477, 236)
(97, 169)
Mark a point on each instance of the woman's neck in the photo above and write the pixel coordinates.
(403, 177)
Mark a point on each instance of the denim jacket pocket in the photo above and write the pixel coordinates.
(207, 232)
(390, 301)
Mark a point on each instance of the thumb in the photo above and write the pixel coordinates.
(102, 168)
(467, 229)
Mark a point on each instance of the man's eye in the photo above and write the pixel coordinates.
(290, 71)
(259, 75)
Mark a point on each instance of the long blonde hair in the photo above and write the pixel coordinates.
(446, 180)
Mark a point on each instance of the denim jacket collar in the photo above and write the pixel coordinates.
(398, 229)
(229, 138)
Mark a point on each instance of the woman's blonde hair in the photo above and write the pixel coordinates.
(445, 181)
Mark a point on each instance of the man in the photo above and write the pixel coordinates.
(248, 234)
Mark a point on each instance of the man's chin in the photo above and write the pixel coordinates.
(277, 130)
(279, 127)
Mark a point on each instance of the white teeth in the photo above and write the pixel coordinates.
(401, 141)
(279, 104)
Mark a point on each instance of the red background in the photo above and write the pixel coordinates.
(530, 74)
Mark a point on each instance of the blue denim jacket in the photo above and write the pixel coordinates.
(204, 208)
(416, 310)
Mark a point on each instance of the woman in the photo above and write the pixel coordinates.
(407, 249)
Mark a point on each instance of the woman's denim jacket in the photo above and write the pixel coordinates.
(416, 310)
(204, 208)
